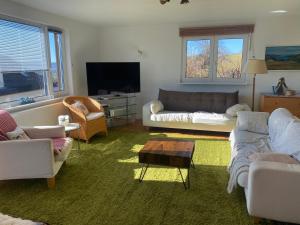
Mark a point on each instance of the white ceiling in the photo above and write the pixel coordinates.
(133, 12)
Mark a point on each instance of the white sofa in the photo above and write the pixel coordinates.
(271, 188)
(192, 110)
(186, 120)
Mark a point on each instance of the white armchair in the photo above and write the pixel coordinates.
(273, 191)
(21, 159)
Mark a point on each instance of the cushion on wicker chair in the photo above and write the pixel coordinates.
(94, 115)
(81, 107)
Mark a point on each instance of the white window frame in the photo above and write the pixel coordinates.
(213, 79)
(50, 94)
(184, 60)
(50, 80)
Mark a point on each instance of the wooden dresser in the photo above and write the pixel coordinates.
(269, 102)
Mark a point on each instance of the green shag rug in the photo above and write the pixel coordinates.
(99, 185)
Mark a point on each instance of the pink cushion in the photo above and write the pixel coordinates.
(58, 144)
(7, 122)
(3, 136)
(273, 157)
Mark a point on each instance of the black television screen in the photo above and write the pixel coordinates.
(106, 77)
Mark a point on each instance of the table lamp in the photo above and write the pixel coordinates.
(256, 66)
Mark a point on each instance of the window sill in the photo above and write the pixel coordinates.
(34, 105)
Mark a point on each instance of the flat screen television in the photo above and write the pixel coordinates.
(107, 77)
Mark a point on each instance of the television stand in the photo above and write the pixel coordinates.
(120, 109)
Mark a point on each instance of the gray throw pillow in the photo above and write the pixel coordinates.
(256, 122)
(232, 110)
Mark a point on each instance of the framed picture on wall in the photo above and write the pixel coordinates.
(283, 58)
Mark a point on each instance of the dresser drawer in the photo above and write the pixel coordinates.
(282, 102)
(268, 104)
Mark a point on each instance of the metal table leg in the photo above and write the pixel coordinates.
(143, 172)
(188, 178)
(192, 164)
(186, 186)
(78, 139)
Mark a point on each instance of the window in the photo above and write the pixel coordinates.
(31, 63)
(56, 60)
(218, 59)
(230, 58)
(198, 54)
(215, 55)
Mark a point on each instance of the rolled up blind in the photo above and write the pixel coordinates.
(22, 47)
(220, 30)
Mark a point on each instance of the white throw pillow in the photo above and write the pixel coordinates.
(253, 121)
(156, 106)
(81, 107)
(17, 134)
(232, 110)
(289, 142)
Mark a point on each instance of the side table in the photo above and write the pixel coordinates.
(73, 127)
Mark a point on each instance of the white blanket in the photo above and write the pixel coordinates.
(243, 144)
(210, 118)
(170, 116)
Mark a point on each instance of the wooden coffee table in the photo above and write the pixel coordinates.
(168, 152)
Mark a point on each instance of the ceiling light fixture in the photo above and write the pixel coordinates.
(280, 11)
(181, 2)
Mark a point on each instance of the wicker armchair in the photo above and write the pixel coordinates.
(91, 124)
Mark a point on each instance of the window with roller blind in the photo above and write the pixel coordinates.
(215, 55)
(31, 62)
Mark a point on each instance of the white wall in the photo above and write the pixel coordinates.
(81, 41)
(276, 31)
(161, 59)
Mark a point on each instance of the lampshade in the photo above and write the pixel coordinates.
(256, 66)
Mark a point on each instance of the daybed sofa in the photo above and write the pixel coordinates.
(265, 162)
(192, 110)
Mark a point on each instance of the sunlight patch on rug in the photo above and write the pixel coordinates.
(164, 174)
